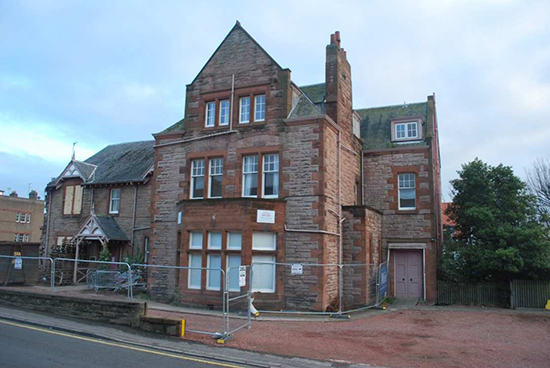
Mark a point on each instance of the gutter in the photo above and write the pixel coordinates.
(194, 139)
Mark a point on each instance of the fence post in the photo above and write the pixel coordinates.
(512, 295)
(52, 275)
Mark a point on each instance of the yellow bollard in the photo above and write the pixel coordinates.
(547, 305)
(182, 329)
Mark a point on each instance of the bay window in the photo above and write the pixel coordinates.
(216, 176)
(263, 274)
(250, 176)
(213, 276)
(197, 179)
(233, 262)
(271, 176)
(194, 279)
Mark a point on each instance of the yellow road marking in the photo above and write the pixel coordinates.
(120, 345)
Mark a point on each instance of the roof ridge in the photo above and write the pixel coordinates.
(311, 85)
(396, 105)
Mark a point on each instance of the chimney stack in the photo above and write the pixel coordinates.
(13, 194)
(33, 194)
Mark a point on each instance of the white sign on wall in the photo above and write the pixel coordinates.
(242, 276)
(18, 264)
(266, 217)
(297, 269)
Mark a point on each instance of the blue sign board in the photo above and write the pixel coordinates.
(383, 285)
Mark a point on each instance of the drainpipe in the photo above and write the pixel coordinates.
(340, 251)
(134, 216)
(47, 250)
(232, 98)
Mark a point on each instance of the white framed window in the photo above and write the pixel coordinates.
(406, 130)
(25, 237)
(194, 279)
(27, 218)
(197, 179)
(215, 240)
(18, 217)
(250, 176)
(180, 217)
(244, 110)
(233, 262)
(259, 108)
(216, 177)
(213, 277)
(195, 240)
(234, 240)
(264, 241)
(224, 112)
(114, 203)
(271, 176)
(263, 274)
(407, 191)
(210, 114)
(21, 238)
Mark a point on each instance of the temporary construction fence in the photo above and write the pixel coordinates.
(24, 270)
(321, 289)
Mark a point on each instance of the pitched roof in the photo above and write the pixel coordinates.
(303, 108)
(179, 125)
(376, 125)
(122, 163)
(111, 228)
(86, 169)
(315, 92)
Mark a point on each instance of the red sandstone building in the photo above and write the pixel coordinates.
(262, 170)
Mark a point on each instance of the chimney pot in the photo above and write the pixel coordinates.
(337, 36)
(332, 39)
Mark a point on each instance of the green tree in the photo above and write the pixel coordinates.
(497, 233)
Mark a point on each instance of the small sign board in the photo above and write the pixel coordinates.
(265, 216)
(383, 288)
(297, 269)
(242, 276)
(18, 264)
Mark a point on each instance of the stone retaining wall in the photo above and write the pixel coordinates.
(126, 313)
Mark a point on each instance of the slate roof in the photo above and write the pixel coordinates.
(122, 163)
(376, 125)
(111, 228)
(303, 108)
(86, 169)
(180, 125)
(315, 92)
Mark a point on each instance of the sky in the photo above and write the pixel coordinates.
(105, 72)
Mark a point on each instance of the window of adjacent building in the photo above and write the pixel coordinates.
(213, 275)
(23, 218)
(407, 191)
(224, 112)
(244, 110)
(72, 202)
(233, 262)
(210, 115)
(21, 238)
(250, 176)
(197, 179)
(259, 108)
(114, 204)
(180, 217)
(194, 279)
(215, 240)
(263, 274)
(406, 130)
(195, 240)
(271, 176)
(264, 241)
(63, 239)
(216, 176)
(234, 240)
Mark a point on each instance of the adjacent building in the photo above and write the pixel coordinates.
(102, 202)
(21, 218)
(261, 170)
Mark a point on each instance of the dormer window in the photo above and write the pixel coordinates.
(244, 110)
(406, 130)
(210, 116)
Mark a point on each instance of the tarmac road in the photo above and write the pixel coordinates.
(25, 346)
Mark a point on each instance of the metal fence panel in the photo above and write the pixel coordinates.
(24, 270)
(529, 293)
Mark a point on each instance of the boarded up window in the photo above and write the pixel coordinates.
(77, 208)
(69, 195)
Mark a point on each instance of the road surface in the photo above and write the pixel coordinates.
(25, 346)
